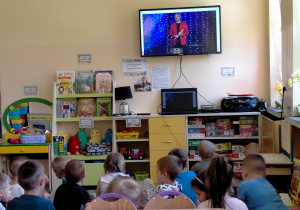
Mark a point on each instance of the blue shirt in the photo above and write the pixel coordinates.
(30, 202)
(259, 194)
(185, 179)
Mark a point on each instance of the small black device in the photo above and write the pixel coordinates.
(143, 113)
(179, 101)
(240, 104)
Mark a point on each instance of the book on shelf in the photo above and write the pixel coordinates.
(103, 107)
(103, 82)
(83, 82)
(64, 85)
(68, 107)
(86, 107)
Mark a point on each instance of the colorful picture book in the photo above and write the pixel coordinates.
(295, 186)
(68, 107)
(64, 85)
(83, 82)
(103, 107)
(86, 107)
(103, 81)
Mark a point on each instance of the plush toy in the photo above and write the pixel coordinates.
(95, 136)
(108, 136)
(82, 138)
(74, 145)
(148, 188)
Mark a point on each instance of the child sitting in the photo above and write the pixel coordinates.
(5, 193)
(185, 177)
(14, 164)
(114, 166)
(206, 151)
(31, 178)
(126, 186)
(219, 177)
(199, 186)
(71, 195)
(168, 168)
(255, 190)
(58, 165)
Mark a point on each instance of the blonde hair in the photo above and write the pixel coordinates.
(126, 186)
(252, 148)
(206, 149)
(58, 164)
(114, 162)
(15, 164)
(4, 181)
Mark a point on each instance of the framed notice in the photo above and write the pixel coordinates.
(86, 122)
(133, 121)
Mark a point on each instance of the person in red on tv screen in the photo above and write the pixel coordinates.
(179, 31)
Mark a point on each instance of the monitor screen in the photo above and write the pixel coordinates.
(179, 101)
(187, 31)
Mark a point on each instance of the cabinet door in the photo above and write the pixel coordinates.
(167, 125)
(93, 172)
(156, 155)
(167, 141)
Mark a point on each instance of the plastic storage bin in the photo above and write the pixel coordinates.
(33, 139)
(141, 175)
(133, 135)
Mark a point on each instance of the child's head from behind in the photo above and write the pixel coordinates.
(168, 168)
(254, 166)
(5, 192)
(31, 175)
(199, 186)
(181, 154)
(15, 164)
(206, 150)
(58, 164)
(114, 162)
(126, 186)
(252, 148)
(219, 177)
(74, 171)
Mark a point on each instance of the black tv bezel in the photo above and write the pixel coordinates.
(178, 90)
(176, 8)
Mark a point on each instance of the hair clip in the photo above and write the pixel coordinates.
(199, 180)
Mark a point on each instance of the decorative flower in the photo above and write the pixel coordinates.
(296, 75)
(290, 83)
(278, 87)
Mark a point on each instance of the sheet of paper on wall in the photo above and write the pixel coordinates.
(142, 83)
(227, 71)
(160, 77)
(134, 66)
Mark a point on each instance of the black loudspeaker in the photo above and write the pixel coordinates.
(240, 104)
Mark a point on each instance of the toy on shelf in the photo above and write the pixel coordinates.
(108, 136)
(128, 134)
(95, 135)
(122, 149)
(82, 138)
(74, 145)
(13, 141)
(97, 149)
(135, 154)
(60, 143)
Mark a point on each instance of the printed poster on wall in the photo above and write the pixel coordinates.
(160, 77)
(135, 66)
(227, 71)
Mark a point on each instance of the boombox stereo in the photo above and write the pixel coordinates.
(240, 104)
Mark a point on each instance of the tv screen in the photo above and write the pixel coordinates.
(179, 101)
(187, 31)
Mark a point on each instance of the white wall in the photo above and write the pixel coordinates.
(40, 37)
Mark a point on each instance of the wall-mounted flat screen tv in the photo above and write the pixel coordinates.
(187, 31)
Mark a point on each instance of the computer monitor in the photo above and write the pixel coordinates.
(179, 101)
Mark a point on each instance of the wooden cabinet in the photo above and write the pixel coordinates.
(165, 134)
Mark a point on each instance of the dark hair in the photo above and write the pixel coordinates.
(219, 176)
(255, 163)
(15, 164)
(171, 165)
(199, 181)
(114, 162)
(30, 174)
(181, 154)
(74, 171)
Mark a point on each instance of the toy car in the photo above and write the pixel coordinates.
(135, 154)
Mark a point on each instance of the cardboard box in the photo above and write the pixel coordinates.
(60, 143)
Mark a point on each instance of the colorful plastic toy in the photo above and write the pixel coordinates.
(74, 145)
(135, 154)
